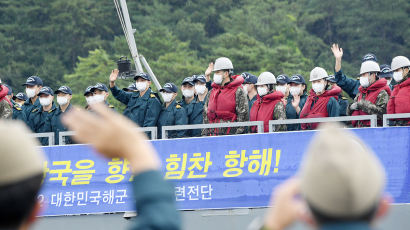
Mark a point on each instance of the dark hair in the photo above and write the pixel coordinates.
(17, 201)
(322, 218)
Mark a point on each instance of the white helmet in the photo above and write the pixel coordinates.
(369, 67)
(223, 63)
(318, 73)
(399, 62)
(266, 78)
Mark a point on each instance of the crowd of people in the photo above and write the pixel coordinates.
(226, 97)
(326, 193)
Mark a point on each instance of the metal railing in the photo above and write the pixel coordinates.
(387, 117)
(152, 130)
(372, 118)
(50, 137)
(258, 124)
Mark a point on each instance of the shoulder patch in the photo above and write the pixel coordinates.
(178, 106)
(152, 95)
(34, 110)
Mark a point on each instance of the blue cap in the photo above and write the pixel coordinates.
(331, 78)
(369, 57)
(282, 79)
(21, 96)
(188, 80)
(297, 79)
(46, 90)
(131, 87)
(143, 76)
(99, 86)
(249, 78)
(200, 78)
(10, 89)
(33, 80)
(88, 90)
(64, 89)
(169, 88)
(385, 71)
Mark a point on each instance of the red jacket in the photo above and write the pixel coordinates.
(370, 94)
(263, 107)
(3, 94)
(222, 101)
(319, 109)
(400, 99)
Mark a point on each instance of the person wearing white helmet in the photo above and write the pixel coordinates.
(373, 94)
(322, 99)
(349, 85)
(268, 105)
(400, 98)
(227, 101)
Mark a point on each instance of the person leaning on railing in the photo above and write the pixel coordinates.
(373, 94)
(322, 99)
(269, 103)
(227, 101)
(296, 100)
(400, 98)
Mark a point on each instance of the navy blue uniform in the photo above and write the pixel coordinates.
(174, 114)
(144, 110)
(194, 112)
(18, 113)
(350, 86)
(28, 107)
(40, 122)
(57, 126)
(291, 112)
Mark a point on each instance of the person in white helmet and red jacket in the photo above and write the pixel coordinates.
(269, 103)
(322, 99)
(400, 98)
(373, 94)
(227, 101)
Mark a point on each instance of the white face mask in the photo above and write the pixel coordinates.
(141, 86)
(45, 101)
(98, 98)
(318, 87)
(62, 100)
(218, 79)
(167, 97)
(281, 88)
(364, 82)
(262, 91)
(398, 76)
(30, 92)
(295, 90)
(90, 100)
(188, 93)
(200, 89)
(245, 88)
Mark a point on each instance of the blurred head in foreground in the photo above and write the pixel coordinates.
(21, 174)
(341, 179)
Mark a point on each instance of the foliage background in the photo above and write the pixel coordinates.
(77, 42)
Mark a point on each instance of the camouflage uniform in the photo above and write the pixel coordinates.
(5, 110)
(242, 113)
(279, 113)
(366, 106)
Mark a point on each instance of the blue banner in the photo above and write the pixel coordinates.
(208, 173)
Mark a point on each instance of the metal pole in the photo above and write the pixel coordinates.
(148, 68)
(132, 45)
